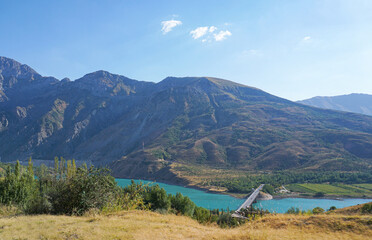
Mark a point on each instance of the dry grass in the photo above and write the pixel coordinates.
(202, 176)
(149, 225)
(353, 210)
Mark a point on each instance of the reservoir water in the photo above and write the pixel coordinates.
(221, 201)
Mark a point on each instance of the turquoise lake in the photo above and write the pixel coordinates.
(220, 201)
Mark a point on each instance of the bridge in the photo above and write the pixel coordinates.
(248, 202)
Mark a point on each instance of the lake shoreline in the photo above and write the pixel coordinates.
(218, 200)
(245, 195)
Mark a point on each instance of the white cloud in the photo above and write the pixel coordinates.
(199, 32)
(212, 29)
(307, 38)
(209, 34)
(222, 35)
(168, 26)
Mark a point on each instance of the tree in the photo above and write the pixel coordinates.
(56, 164)
(30, 168)
(268, 189)
(62, 167)
(85, 167)
(73, 167)
(17, 170)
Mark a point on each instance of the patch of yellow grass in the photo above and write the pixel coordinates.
(149, 225)
(201, 176)
(353, 210)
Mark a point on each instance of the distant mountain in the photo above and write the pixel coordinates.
(143, 129)
(357, 103)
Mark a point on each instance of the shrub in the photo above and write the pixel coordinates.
(293, 210)
(182, 204)
(318, 210)
(87, 189)
(202, 215)
(130, 197)
(226, 220)
(332, 208)
(367, 208)
(157, 198)
(319, 194)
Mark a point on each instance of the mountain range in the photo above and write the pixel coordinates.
(355, 102)
(143, 129)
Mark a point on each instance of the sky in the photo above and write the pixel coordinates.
(292, 49)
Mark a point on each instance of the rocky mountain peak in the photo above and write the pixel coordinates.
(12, 68)
(105, 83)
(13, 72)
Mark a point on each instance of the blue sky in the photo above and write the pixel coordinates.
(292, 49)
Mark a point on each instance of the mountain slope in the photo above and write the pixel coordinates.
(357, 103)
(223, 124)
(143, 129)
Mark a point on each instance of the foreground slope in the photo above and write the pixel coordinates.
(357, 103)
(149, 225)
(143, 129)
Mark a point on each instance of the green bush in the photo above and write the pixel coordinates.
(226, 220)
(87, 189)
(332, 208)
(157, 198)
(293, 210)
(182, 204)
(202, 215)
(319, 194)
(66, 189)
(318, 210)
(367, 208)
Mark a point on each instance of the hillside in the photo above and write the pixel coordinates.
(360, 209)
(157, 130)
(149, 225)
(357, 103)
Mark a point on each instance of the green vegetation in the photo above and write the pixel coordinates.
(66, 189)
(93, 195)
(319, 190)
(161, 154)
(367, 186)
(318, 210)
(298, 211)
(244, 184)
(62, 190)
(367, 208)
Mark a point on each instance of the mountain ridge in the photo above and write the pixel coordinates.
(144, 129)
(354, 102)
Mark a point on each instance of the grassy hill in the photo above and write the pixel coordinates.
(149, 225)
